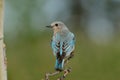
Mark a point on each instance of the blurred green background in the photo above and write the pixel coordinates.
(95, 23)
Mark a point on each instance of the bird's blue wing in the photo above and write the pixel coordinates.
(55, 47)
(69, 46)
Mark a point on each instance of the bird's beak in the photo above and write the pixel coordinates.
(49, 26)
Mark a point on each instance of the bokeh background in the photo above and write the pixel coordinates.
(95, 23)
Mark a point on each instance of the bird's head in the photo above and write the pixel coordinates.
(58, 26)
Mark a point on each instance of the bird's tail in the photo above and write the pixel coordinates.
(59, 64)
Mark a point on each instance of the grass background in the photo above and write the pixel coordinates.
(29, 58)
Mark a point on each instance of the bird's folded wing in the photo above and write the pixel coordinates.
(55, 47)
(69, 46)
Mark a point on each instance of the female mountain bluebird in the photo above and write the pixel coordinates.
(63, 45)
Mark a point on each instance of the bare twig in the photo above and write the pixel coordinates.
(51, 74)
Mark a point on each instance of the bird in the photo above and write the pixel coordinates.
(63, 46)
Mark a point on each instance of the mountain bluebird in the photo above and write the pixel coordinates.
(63, 45)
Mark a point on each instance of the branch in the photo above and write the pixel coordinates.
(3, 70)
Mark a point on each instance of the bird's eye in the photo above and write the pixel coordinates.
(56, 24)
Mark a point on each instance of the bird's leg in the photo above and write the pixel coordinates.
(66, 71)
(51, 74)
